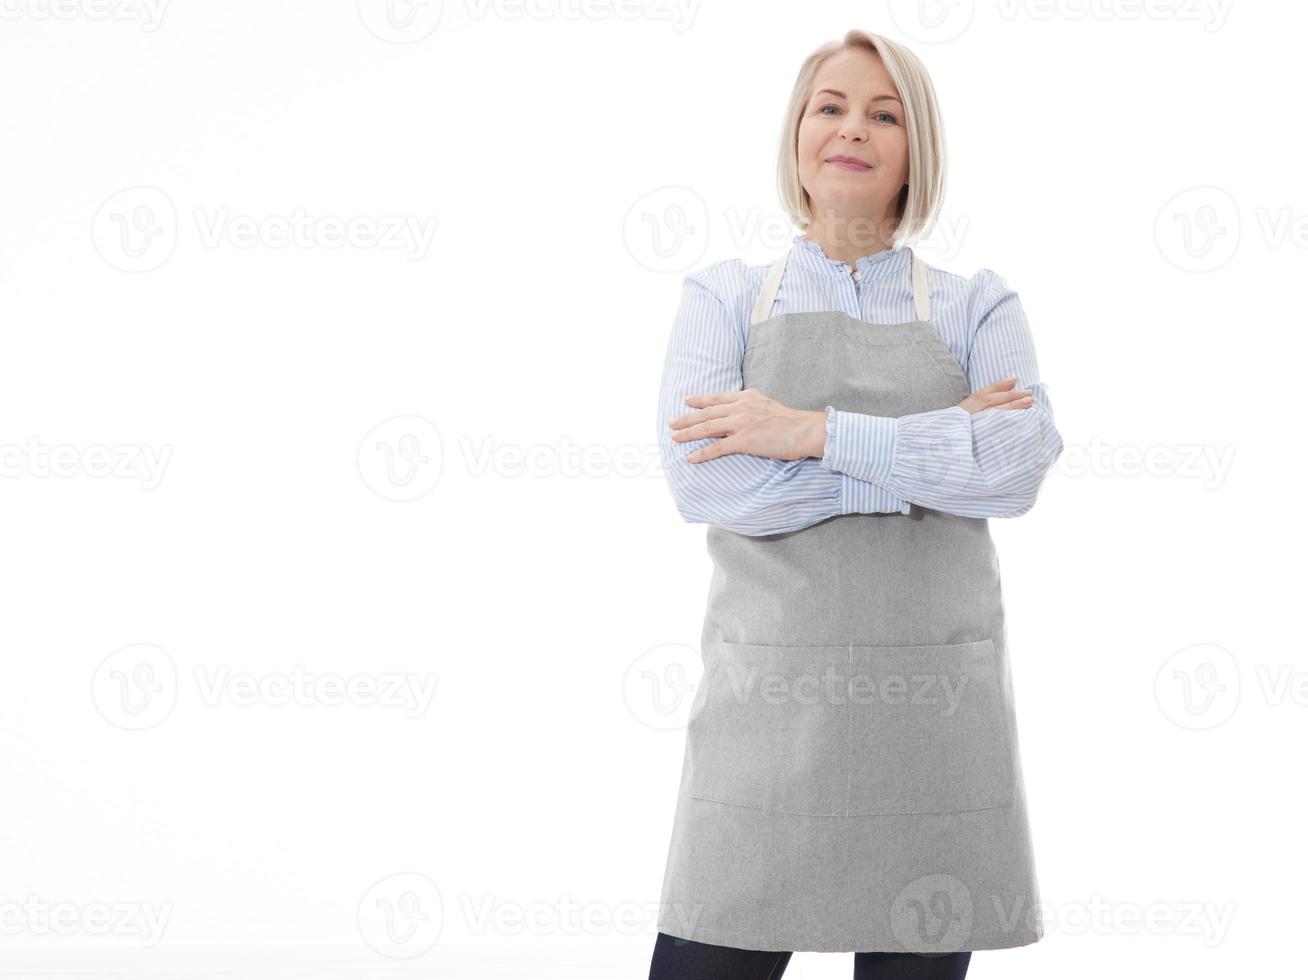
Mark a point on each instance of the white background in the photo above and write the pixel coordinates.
(510, 539)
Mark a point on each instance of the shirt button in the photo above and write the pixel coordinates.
(858, 276)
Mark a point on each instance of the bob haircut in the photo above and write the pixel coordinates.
(919, 202)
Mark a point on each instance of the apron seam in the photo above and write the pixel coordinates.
(856, 813)
(849, 733)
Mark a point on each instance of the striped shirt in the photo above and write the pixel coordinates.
(988, 464)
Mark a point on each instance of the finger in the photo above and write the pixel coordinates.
(729, 442)
(690, 418)
(997, 385)
(693, 418)
(708, 402)
(711, 398)
(999, 398)
(712, 451)
(703, 430)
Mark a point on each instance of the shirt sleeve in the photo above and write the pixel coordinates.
(988, 464)
(750, 494)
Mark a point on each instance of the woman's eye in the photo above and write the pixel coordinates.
(888, 116)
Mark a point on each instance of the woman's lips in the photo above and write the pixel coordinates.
(849, 165)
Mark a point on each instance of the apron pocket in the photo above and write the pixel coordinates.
(928, 730)
(773, 732)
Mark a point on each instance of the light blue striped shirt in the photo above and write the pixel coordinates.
(990, 464)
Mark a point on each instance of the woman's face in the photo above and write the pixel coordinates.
(855, 112)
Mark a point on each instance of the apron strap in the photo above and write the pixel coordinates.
(768, 295)
(921, 294)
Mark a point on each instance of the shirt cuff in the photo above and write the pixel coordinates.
(861, 446)
(861, 497)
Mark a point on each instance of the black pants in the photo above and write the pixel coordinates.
(684, 959)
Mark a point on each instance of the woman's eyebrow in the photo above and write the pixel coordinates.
(841, 95)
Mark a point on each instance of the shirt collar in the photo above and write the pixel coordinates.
(873, 266)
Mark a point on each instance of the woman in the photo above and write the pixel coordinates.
(852, 777)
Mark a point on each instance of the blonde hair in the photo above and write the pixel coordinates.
(919, 202)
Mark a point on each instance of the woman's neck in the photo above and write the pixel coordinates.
(847, 240)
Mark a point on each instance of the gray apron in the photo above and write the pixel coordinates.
(851, 779)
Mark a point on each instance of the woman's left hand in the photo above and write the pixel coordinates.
(750, 422)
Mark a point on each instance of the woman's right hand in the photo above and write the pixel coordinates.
(996, 396)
